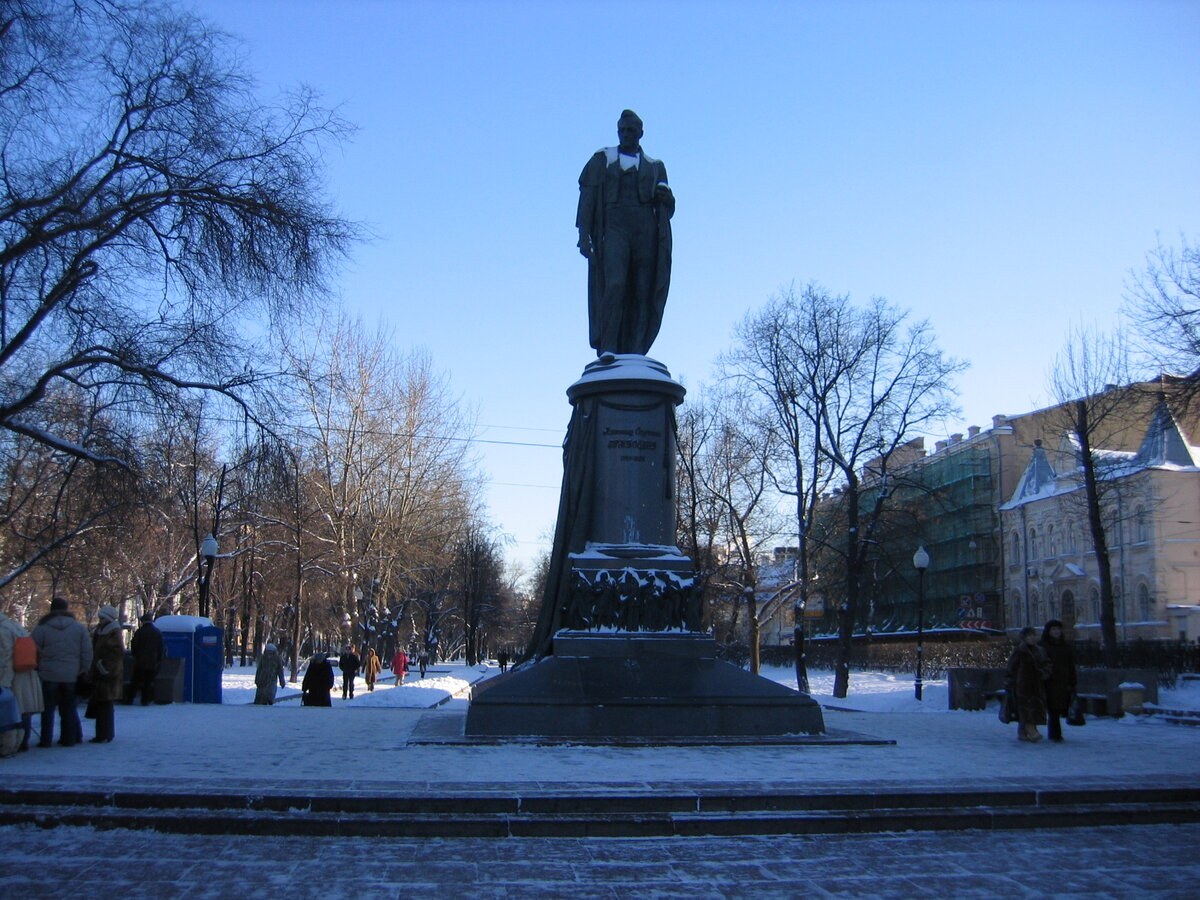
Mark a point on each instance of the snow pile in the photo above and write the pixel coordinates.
(870, 691)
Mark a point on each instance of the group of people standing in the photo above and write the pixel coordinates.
(1041, 681)
(69, 659)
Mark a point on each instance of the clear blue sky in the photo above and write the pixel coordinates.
(997, 168)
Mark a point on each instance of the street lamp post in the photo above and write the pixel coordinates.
(208, 551)
(920, 563)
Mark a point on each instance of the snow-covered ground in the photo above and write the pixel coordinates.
(441, 683)
(367, 741)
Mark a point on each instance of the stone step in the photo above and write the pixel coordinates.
(611, 815)
(663, 824)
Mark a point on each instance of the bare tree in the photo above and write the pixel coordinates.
(729, 510)
(863, 380)
(150, 207)
(1088, 379)
(781, 372)
(1163, 302)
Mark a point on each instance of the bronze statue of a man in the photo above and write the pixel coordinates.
(624, 221)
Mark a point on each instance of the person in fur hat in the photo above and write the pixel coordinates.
(108, 657)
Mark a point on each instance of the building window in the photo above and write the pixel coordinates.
(1035, 607)
(1094, 604)
(1051, 542)
(1069, 537)
(1068, 608)
(1016, 550)
(1142, 526)
(1145, 606)
(1015, 612)
(1033, 545)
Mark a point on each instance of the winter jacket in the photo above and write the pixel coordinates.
(400, 663)
(372, 666)
(318, 682)
(108, 659)
(64, 647)
(25, 685)
(1027, 670)
(147, 648)
(1060, 686)
(349, 663)
(269, 671)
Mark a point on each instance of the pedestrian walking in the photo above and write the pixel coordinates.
(147, 649)
(108, 656)
(64, 656)
(317, 683)
(269, 671)
(1060, 686)
(348, 662)
(400, 666)
(423, 661)
(20, 676)
(1028, 668)
(371, 667)
(502, 659)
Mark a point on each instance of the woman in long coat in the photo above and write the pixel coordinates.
(318, 682)
(26, 685)
(269, 671)
(1060, 686)
(372, 666)
(1028, 668)
(108, 660)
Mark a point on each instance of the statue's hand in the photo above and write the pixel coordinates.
(586, 248)
(662, 193)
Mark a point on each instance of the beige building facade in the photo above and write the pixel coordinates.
(1150, 501)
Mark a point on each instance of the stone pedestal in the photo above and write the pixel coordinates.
(621, 653)
(664, 684)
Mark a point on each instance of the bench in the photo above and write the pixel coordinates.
(1094, 704)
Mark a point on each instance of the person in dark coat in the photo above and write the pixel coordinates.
(1028, 668)
(349, 663)
(1060, 686)
(147, 650)
(317, 683)
(108, 659)
(502, 659)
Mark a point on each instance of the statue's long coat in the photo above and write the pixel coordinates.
(597, 187)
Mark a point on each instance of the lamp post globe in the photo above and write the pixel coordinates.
(208, 555)
(920, 563)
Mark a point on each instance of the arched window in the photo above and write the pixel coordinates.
(1016, 612)
(1033, 545)
(1094, 604)
(1142, 526)
(1069, 537)
(1035, 608)
(1051, 542)
(1068, 608)
(1015, 556)
(1145, 606)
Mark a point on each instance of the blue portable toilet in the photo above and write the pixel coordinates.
(198, 643)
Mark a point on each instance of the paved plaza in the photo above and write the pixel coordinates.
(1116, 863)
(357, 753)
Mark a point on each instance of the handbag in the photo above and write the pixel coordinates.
(1008, 708)
(1075, 712)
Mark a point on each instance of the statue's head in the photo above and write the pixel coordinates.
(629, 130)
